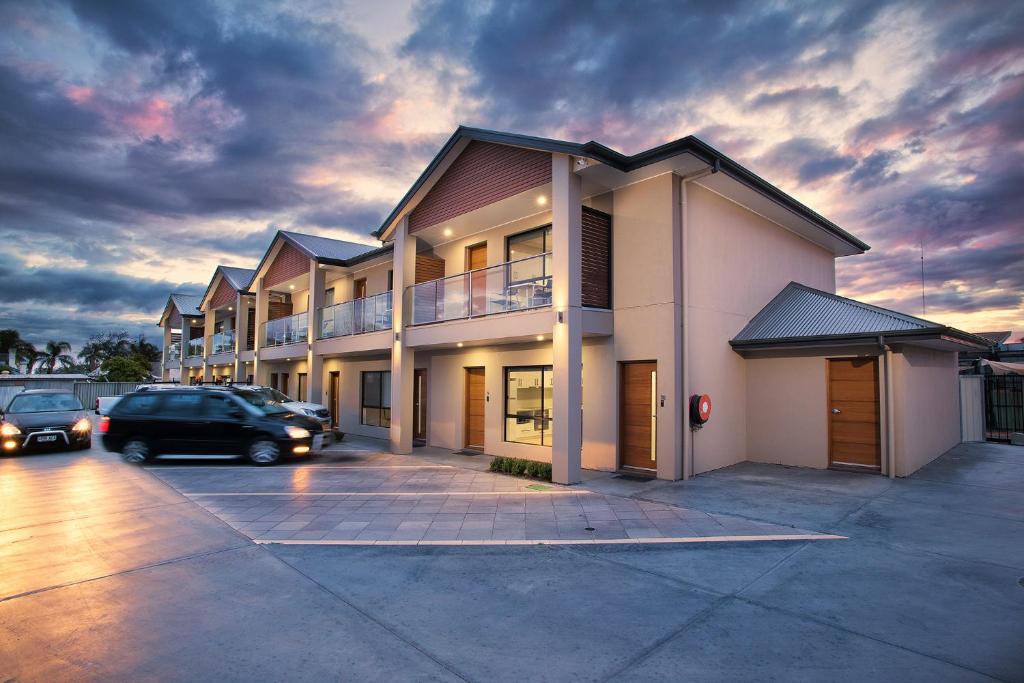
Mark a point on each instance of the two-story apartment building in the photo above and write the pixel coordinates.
(562, 302)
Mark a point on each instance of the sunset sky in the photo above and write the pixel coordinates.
(143, 145)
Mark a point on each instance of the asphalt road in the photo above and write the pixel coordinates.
(107, 572)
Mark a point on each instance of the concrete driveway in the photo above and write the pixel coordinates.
(107, 571)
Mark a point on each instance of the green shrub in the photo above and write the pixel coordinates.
(521, 467)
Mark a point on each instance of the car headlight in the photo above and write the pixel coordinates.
(296, 432)
(9, 430)
(82, 425)
(307, 411)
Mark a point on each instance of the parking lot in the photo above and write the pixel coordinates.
(363, 565)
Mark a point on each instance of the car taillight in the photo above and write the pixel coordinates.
(104, 424)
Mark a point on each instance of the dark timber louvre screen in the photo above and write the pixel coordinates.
(597, 259)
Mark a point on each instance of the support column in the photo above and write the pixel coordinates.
(186, 335)
(314, 361)
(403, 358)
(165, 372)
(241, 333)
(209, 322)
(260, 372)
(567, 334)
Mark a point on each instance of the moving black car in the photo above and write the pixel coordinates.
(42, 419)
(198, 421)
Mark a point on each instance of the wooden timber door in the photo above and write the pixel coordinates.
(419, 404)
(853, 414)
(476, 258)
(638, 414)
(333, 396)
(475, 401)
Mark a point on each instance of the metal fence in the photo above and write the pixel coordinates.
(1004, 406)
(88, 392)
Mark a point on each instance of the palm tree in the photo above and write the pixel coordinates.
(9, 342)
(92, 354)
(141, 347)
(56, 352)
(25, 352)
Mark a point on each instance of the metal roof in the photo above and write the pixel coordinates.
(996, 338)
(800, 313)
(325, 247)
(187, 304)
(239, 278)
(626, 163)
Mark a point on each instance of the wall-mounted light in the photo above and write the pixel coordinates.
(398, 337)
(561, 319)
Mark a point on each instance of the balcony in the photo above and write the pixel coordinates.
(289, 330)
(223, 342)
(370, 314)
(194, 348)
(513, 286)
(172, 352)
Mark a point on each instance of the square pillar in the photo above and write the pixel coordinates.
(260, 371)
(241, 332)
(314, 362)
(402, 358)
(567, 334)
(165, 372)
(209, 323)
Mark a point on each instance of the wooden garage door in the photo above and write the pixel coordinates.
(475, 408)
(637, 414)
(854, 435)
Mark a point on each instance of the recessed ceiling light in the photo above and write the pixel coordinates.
(459, 345)
(542, 200)
(291, 286)
(231, 308)
(447, 232)
(540, 337)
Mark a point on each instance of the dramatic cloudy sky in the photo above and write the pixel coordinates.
(143, 142)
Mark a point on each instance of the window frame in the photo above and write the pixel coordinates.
(363, 406)
(506, 416)
(546, 231)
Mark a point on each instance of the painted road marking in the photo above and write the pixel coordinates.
(567, 541)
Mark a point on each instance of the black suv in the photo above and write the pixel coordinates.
(200, 421)
(40, 419)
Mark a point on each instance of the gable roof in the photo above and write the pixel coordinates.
(187, 304)
(802, 314)
(239, 278)
(325, 249)
(623, 162)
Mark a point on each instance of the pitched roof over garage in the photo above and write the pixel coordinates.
(801, 316)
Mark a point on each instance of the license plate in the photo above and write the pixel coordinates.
(318, 442)
(48, 437)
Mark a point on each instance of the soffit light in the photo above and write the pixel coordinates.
(447, 232)
(542, 200)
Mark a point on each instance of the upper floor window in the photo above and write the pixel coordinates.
(524, 246)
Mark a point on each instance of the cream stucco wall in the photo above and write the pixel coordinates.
(738, 262)
(926, 404)
(454, 252)
(349, 409)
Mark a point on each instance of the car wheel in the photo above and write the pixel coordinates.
(264, 452)
(135, 451)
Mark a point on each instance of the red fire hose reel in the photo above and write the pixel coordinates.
(700, 410)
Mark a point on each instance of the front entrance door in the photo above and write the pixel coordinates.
(638, 415)
(419, 404)
(475, 401)
(476, 258)
(335, 387)
(853, 422)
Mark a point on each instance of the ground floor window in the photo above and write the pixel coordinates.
(376, 399)
(528, 405)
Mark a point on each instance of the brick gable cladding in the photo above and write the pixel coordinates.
(483, 174)
(223, 295)
(288, 263)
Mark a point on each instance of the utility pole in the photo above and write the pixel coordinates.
(923, 310)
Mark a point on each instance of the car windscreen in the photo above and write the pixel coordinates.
(44, 403)
(259, 400)
(275, 395)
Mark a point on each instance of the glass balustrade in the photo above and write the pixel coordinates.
(173, 352)
(369, 314)
(194, 348)
(289, 330)
(512, 286)
(224, 342)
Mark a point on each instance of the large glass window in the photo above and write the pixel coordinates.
(528, 405)
(523, 246)
(376, 399)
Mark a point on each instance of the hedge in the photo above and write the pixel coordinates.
(521, 467)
